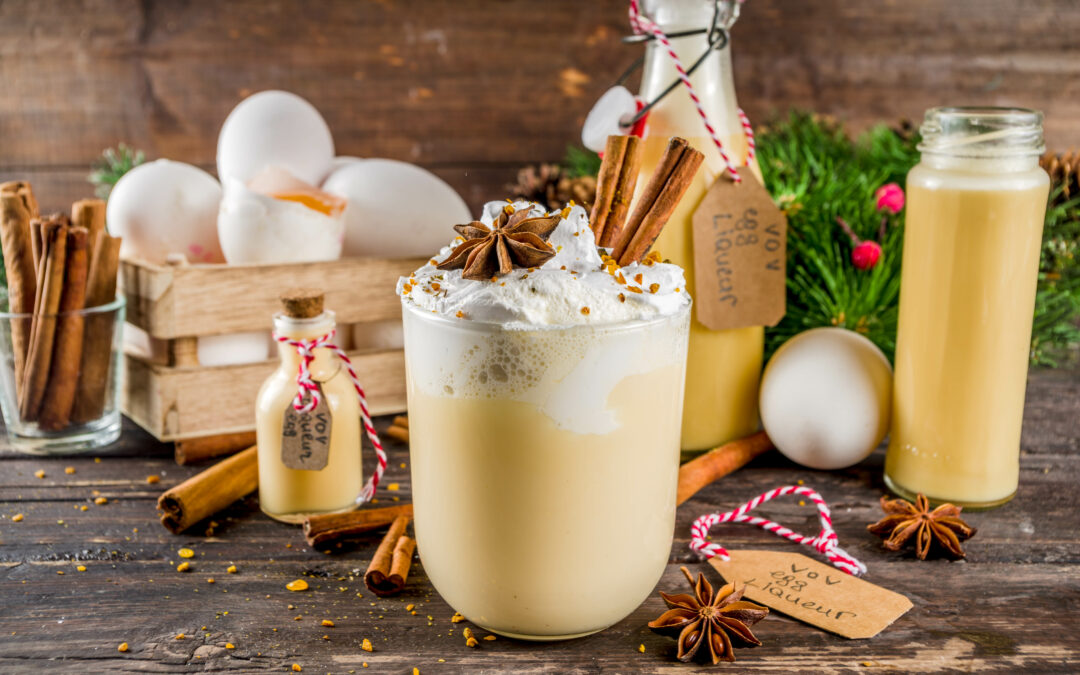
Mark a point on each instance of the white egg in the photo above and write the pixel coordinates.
(396, 209)
(164, 207)
(256, 228)
(825, 398)
(275, 128)
(234, 348)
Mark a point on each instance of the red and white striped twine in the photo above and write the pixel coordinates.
(825, 542)
(642, 24)
(306, 350)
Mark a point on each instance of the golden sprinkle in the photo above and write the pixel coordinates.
(69, 470)
(641, 648)
(328, 623)
(489, 638)
(186, 553)
(101, 501)
(457, 618)
(296, 668)
(17, 518)
(183, 567)
(39, 474)
(622, 297)
(60, 572)
(153, 479)
(366, 645)
(84, 507)
(654, 288)
(229, 645)
(637, 278)
(409, 608)
(211, 581)
(123, 647)
(472, 642)
(180, 636)
(297, 585)
(81, 568)
(585, 311)
(231, 569)
(393, 487)
(467, 632)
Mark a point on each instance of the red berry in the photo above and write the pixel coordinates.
(866, 254)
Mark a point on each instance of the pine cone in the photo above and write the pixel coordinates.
(1064, 170)
(548, 184)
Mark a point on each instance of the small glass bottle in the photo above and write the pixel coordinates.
(287, 439)
(724, 367)
(975, 209)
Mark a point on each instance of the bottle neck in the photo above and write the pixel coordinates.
(303, 329)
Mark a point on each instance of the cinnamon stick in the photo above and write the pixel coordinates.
(16, 239)
(658, 200)
(212, 490)
(398, 433)
(89, 213)
(193, 450)
(615, 188)
(389, 568)
(719, 462)
(97, 349)
(43, 327)
(322, 529)
(68, 343)
(25, 192)
(401, 421)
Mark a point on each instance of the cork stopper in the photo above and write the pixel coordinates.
(302, 303)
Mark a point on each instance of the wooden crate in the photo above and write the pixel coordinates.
(173, 397)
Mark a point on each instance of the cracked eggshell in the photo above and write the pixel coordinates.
(396, 209)
(165, 207)
(826, 398)
(275, 129)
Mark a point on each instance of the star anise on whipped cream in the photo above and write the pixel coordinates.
(515, 239)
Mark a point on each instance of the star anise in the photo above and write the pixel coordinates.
(905, 520)
(515, 239)
(721, 620)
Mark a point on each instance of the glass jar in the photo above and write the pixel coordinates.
(545, 467)
(975, 209)
(292, 494)
(91, 413)
(724, 367)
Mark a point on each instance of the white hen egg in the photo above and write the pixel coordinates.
(826, 397)
(164, 207)
(396, 209)
(275, 128)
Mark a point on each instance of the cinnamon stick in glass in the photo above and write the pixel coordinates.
(206, 493)
(615, 188)
(97, 351)
(719, 462)
(194, 450)
(658, 200)
(319, 530)
(43, 326)
(16, 239)
(389, 569)
(68, 343)
(89, 213)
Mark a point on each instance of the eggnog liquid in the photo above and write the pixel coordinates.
(971, 256)
(290, 495)
(544, 466)
(723, 367)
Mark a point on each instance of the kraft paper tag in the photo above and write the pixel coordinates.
(740, 248)
(814, 592)
(305, 437)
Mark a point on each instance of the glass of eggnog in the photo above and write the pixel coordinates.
(545, 407)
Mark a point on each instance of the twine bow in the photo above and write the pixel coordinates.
(825, 542)
(309, 390)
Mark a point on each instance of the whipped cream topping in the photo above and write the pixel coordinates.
(575, 287)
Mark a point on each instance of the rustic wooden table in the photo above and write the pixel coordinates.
(1012, 605)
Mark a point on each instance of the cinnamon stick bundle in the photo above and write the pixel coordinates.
(193, 450)
(389, 569)
(615, 188)
(319, 530)
(212, 490)
(719, 462)
(68, 343)
(16, 237)
(90, 213)
(43, 327)
(658, 200)
(97, 349)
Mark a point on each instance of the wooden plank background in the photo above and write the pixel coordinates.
(474, 89)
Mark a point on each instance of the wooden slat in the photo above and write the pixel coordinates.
(174, 403)
(170, 302)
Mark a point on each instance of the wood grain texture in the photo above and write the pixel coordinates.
(1010, 607)
(474, 89)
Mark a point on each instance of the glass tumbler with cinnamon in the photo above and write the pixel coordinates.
(724, 366)
(975, 209)
(61, 331)
(545, 384)
(309, 460)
